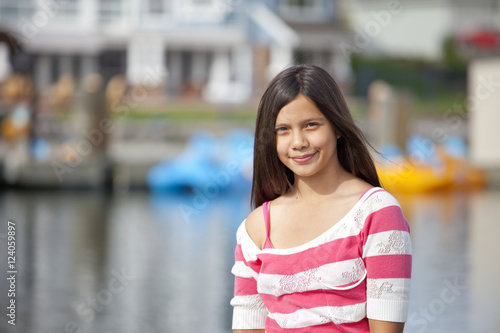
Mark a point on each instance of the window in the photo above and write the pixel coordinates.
(155, 14)
(156, 6)
(306, 10)
(14, 10)
(110, 11)
(202, 11)
(300, 3)
(67, 10)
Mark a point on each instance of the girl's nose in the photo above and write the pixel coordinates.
(299, 141)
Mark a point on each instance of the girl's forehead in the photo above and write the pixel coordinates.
(299, 108)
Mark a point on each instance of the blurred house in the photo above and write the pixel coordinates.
(418, 28)
(223, 51)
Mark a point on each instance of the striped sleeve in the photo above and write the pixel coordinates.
(387, 257)
(249, 312)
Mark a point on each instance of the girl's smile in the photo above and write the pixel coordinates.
(303, 158)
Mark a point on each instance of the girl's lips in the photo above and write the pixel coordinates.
(303, 159)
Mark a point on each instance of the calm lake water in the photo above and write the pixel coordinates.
(135, 262)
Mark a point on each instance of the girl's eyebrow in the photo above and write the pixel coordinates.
(304, 121)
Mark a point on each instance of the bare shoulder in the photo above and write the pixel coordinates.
(355, 187)
(363, 187)
(256, 227)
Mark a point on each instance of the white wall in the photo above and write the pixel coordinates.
(409, 30)
(484, 110)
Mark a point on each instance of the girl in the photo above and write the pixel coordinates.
(327, 249)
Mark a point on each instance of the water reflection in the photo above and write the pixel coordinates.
(133, 262)
(439, 224)
(484, 266)
(455, 262)
(89, 262)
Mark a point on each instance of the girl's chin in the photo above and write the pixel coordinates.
(304, 173)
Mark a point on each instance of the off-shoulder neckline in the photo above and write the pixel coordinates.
(317, 240)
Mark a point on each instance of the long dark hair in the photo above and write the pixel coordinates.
(271, 178)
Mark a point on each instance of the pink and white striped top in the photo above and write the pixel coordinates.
(360, 268)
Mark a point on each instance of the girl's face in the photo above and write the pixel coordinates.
(305, 140)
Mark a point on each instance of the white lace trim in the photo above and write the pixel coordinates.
(387, 242)
(396, 289)
(320, 315)
(340, 275)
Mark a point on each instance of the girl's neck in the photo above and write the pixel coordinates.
(315, 188)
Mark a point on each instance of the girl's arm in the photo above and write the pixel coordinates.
(249, 313)
(387, 257)
(379, 326)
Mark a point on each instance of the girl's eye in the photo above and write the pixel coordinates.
(280, 129)
(309, 125)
